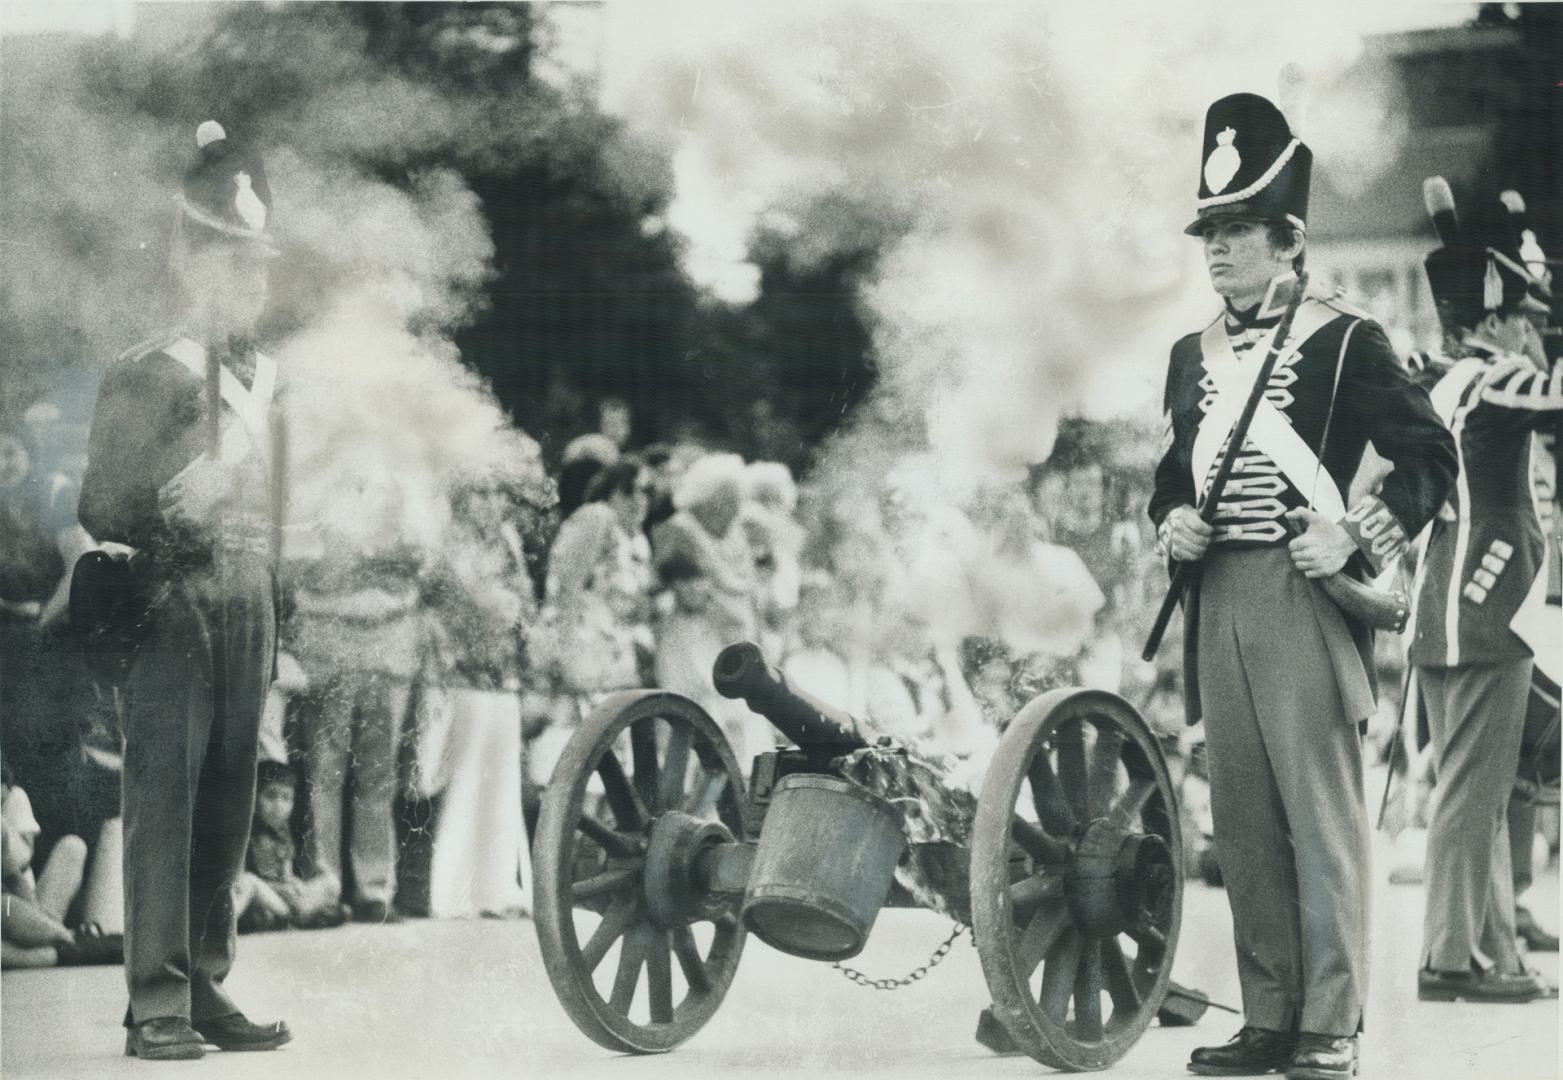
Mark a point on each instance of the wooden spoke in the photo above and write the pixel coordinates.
(1031, 893)
(1058, 975)
(631, 957)
(1088, 993)
(704, 793)
(1047, 797)
(1119, 977)
(615, 921)
(1130, 803)
(1071, 995)
(625, 801)
(643, 753)
(1040, 935)
(643, 759)
(1103, 770)
(659, 979)
(614, 843)
(688, 954)
(675, 767)
(609, 881)
(1150, 938)
(1038, 844)
(1070, 740)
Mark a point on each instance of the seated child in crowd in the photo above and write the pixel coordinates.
(270, 893)
(32, 930)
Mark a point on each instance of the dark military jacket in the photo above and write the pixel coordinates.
(1336, 370)
(1481, 581)
(1375, 400)
(150, 426)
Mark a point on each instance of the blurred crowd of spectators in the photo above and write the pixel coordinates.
(424, 688)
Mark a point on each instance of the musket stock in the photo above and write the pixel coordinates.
(1362, 602)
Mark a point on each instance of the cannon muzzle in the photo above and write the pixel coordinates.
(741, 672)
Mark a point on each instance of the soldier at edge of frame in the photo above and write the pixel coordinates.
(1483, 630)
(177, 470)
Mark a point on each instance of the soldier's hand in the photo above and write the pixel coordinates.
(203, 490)
(1322, 547)
(1187, 535)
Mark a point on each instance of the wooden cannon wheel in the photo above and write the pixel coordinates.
(1076, 878)
(645, 785)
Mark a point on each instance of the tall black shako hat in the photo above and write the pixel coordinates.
(1480, 268)
(224, 193)
(1251, 165)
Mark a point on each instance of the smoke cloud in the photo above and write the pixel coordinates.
(1029, 166)
(375, 275)
(1034, 165)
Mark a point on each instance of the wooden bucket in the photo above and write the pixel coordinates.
(826, 858)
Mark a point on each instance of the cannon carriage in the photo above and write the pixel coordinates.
(652, 847)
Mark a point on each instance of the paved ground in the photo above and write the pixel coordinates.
(470, 999)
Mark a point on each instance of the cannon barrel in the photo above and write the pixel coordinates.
(741, 672)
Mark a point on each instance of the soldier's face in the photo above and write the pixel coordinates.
(1241, 260)
(230, 283)
(1516, 333)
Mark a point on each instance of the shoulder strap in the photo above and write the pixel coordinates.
(250, 405)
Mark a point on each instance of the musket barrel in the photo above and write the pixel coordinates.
(740, 672)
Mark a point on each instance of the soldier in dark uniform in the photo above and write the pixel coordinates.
(1280, 675)
(190, 494)
(1539, 761)
(1481, 610)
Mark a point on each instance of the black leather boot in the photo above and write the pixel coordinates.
(164, 1038)
(1535, 937)
(237, 1032)
(1253, 1051)
(1492, 987)
(1323, 1057)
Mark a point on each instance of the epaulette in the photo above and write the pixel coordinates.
(1189, 344)
(147, 348)
(1503, 367)
(1336, 301)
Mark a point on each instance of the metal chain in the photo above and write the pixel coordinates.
(912, 976)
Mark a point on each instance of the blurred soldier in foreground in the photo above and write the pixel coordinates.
(177, 471)
(1481, 613)
(1280, 674)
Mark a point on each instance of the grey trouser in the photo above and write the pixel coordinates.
(352, 768)
(1521, 820)
(192, 708)
(1477, 716)
(1281, 703)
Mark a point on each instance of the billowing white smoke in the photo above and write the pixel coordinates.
(374, 277)
(1035, 163)
(377, 393)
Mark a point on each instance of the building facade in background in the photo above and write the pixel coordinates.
(1468, 103)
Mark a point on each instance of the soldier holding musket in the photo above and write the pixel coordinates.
(1482, 619)
(177, 470)
(1273, 403)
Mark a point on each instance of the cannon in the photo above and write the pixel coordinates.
(651, 848)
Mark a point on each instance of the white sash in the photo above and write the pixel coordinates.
(1269, 431)
(249, 405)
(1448, 391)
